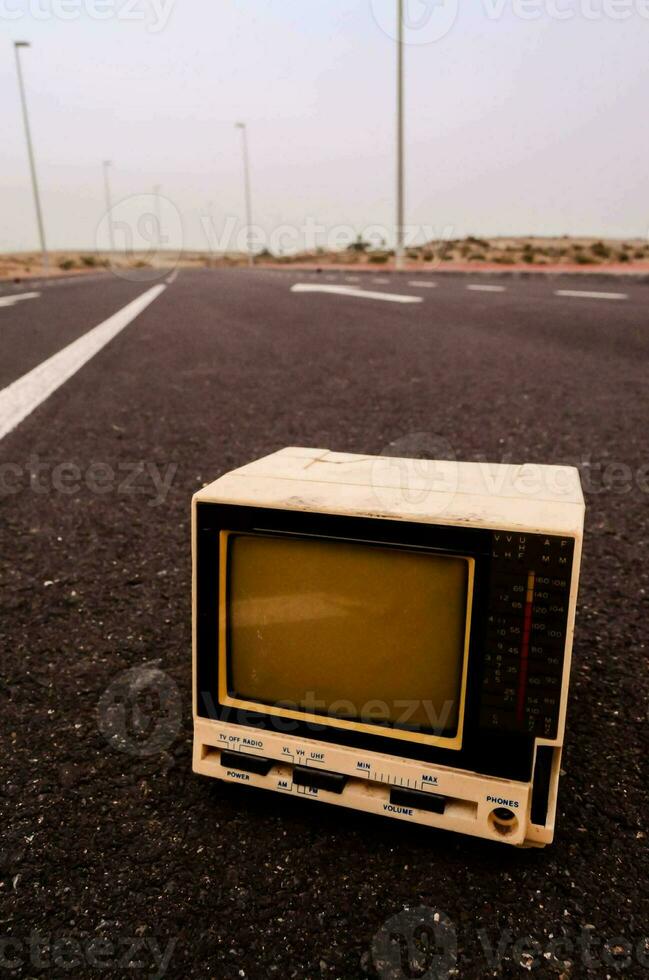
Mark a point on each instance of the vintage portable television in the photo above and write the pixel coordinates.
(390, 635)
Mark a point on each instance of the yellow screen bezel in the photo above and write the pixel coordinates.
(225, 698)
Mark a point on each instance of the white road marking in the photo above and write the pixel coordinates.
(586, 294)
(330, 277)
(22, 396)
(352, 278)
(422, 284)
(172, 277)
(303, 287)
(381, 280)
(16, 298)
(487, 289)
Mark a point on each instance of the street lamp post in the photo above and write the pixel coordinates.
(399, 247)
(30, 151)
(246, 181)
(109, 205)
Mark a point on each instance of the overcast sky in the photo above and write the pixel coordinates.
(522, 117)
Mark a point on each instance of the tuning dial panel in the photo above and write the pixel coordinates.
(526, 632)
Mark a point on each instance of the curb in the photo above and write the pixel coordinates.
(630, 278)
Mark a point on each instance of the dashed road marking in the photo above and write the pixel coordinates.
(422, 284)
(16, 298)
(22, 396)
(486, 289)
(303, 287)
(381, 280)
(589, 294)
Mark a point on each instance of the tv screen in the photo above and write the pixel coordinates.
(364, 634)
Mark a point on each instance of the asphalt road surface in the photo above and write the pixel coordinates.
(111, 855)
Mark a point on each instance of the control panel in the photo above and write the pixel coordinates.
(403, 789)
(526, 632)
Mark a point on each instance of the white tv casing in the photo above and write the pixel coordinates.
(530, 498)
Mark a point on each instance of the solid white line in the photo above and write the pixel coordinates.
(422, 284)
(172, 277)
(303, 287)
(585, 294)
(16, 298)
(21, 397)
(487, 289)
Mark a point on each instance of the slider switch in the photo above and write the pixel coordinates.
(332, 782)
(417, 800)
(246, 762)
